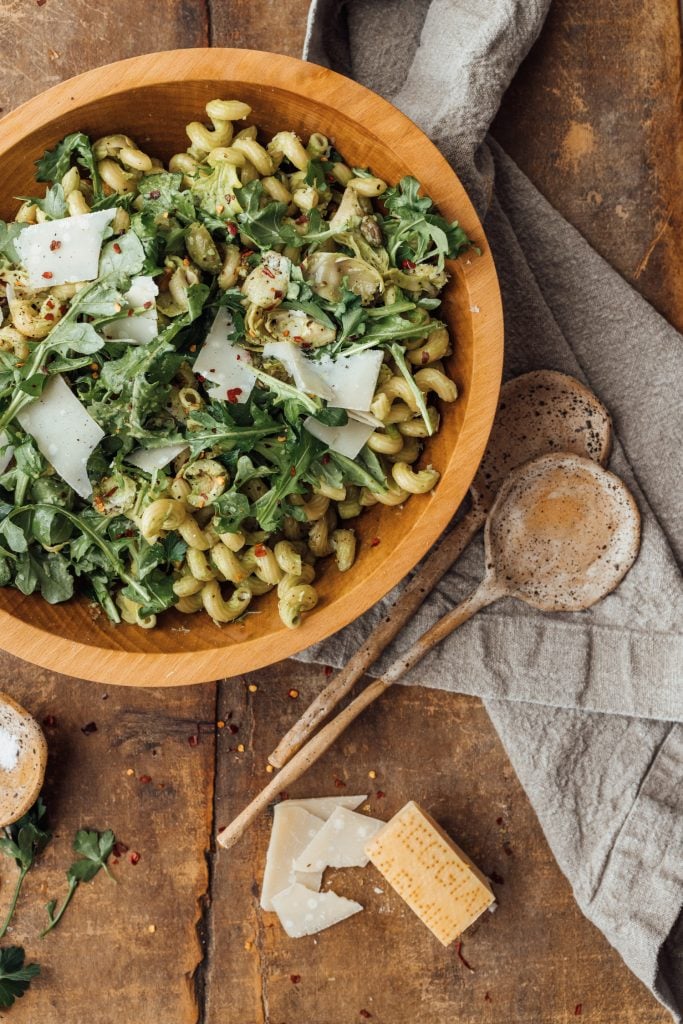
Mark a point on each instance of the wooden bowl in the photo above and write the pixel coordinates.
(151, 98)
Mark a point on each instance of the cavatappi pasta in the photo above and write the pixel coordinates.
(312, 285)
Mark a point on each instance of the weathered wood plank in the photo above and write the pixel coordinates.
(535, 960)
(267, 25)
(594, 119)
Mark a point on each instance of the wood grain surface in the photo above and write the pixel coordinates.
(213, 956)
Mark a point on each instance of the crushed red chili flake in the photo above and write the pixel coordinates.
(134, 857)
(578, 1009)
(200, 378)
(325, 459)
(292, 471)
(119, 849)
(487, 997)
(48, 275)
(116, 247)
(49, 316)
(295, 978)
(293, 694)
(340, 784)
(130, 312)
(233, 395)
(147, 305)
(365, 1014)
(89, 728)
(268, 272)
(109, 493)
(328, 670)
(461, 958)
(424, 358)
(50, 721)
(145, 779)
(154, 194)
(260, 551)
(303, 219)
(193, 741)
(374, 542)
(499, 821)
(41, 3)
(54, 245)
(233, 728)
(380, 794)
(232, 229)
(331, 178)
(408, 265)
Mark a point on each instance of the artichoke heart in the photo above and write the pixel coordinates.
(297, 326)
(326, 271)
(266, 286)
(350, 211)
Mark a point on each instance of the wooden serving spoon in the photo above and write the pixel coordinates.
(562, 534)
(539, 412)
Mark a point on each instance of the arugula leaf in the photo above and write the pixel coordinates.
(230, 510)
(398, 352)
(160, 593)
(56, 162)
(122, 257)
(217, 191)
(8, 235)
(24, 840)
(223, 434)
(14, 977)
(95, 848)
(264, 227)
(162, 195)
(53, 204)
(355, 473)
(290, 397)
(294, 459)
(416, 233)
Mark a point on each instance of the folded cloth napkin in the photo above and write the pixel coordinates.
(588, 705)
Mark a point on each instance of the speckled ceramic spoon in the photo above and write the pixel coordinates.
(539, 412)
(562, 533)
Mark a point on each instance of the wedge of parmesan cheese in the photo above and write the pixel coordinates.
(149, 459)
(303, 912)
(432, 874)
(64, 431)
(324, 806)
(347, 440)
(227, 366)
(293, 829)
(143, 327)
(63, 251)
(6, 451)
(340, 843)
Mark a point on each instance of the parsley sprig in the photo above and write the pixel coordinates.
(14, 977)
(24, 840)
(95, 848)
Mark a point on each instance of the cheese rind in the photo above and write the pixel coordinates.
(302, 912)
(293, 829)
(63, 251)
(340, 843)
(432, 874)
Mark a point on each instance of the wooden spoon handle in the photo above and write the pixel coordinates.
(487, 592)
(422, 584)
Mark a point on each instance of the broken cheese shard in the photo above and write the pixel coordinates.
(432, 874)
(293, 829)
(340, 843)
(324, 806)
(303, 912)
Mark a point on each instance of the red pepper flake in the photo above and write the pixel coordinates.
(232, 229)
(380, 794)
(499, 821)
(200, 378)
(292, 471)
(328, 670)
(49, 316)
(89, 728)
(49, 721)
(278, 294)
(365, 1014)
(325, 459)
(134, 857)
(339, 783)
(50, 304)
(119, 849)
(268, 272)
(578, 1009)
(408, 265)
(117, 248)
(507, 850)
(424, 358)
(295, 978)
(374, 542)
(260, 551)
(331, 178)
(147, 305)
(233, 728)
(41, 3)
(145, 779)
(487, 997)
(54, 245)
(303, 219)
(233, 395)
(130, 312)
(154, 194)
(48, 275)
(193, 741)
(113, 490)
(461, 958)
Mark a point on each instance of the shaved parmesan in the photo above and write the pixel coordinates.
(63, 251)
(303, 912)
(228, 366)
(6, 455)
(352, 379)
(347, 440)
(64, 432)
(149, 459)
(324, 806)
(366, 417)
(304, 372)
(143, 327)
(293, 829)
(340, 843)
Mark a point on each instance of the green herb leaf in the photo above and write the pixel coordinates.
(53, 204)
(56, 162)
(24, 840)
(8, 235)
(14, 977)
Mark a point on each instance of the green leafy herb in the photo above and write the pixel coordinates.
(95, 849)
(53, 204)
(24, 840)
(8, 235)
(414, 232)
(14, 977)
(56, 162)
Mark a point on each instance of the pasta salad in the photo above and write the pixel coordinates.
(208, 370)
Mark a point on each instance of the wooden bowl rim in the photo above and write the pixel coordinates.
(391, 127)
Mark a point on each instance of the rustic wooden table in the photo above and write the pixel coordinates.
(592, 118)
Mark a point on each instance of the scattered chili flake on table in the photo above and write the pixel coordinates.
(374, 542)
(507, 850)
(380, 794)
(145, 780)
(293, 694)
(487, 998)
(119, 849)
(295, 978)
(89, 728)
(134, 857)
(365, 1014)
(339, 783)
(193, 741)
(328, 670)
(499, 821)
(578, 1009)
(50, 721)
(461, 958)
(233, 728)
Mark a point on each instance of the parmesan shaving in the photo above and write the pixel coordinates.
(63, 251)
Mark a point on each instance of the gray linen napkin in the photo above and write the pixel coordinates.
(587, 705)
